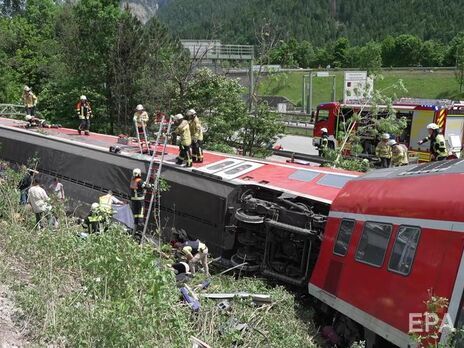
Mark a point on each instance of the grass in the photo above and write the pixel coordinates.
(108, 291)
(440, 84)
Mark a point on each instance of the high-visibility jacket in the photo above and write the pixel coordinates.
(83, 110)
(184, 131)
(106, 203)
(383, 150)
(193, 247)
(195, 129)
(437, 145)
(324, 142)
(94, 222)
(399, 155)
(137, 189)
(141, 118)
(29, 99)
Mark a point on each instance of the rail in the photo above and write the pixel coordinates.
(12, 110)
(214, 50)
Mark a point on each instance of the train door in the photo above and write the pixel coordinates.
(454, 132)
(420, 120)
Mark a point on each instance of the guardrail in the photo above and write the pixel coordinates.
(12, 110)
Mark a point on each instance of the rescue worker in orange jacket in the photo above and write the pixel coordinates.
(84, 112)
(196, 131)
(138, 189)
(183, 130)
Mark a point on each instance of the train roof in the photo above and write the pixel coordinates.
(317, 183)
(430, 191)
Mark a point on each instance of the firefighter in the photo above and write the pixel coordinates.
(399, 154)
(138, 188)
(95, 221)
(30, 101)
(183, 130)
(437, 143)
(194, 251)
(384, 151)
(196, 132)
(84, 112)
(324, 144)
(106, 203)
(140, 119)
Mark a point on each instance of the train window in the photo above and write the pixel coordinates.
(404, 250)
(334, 180)
(303, 175)
(344, 236)
(373, 243)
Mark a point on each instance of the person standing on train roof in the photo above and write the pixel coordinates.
(140, 119)
(384, 151)
(183, 130)
(196, 132)
(30, 101)
(84, 112)
(399, 154)
(437, 143)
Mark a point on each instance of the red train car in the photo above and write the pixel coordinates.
(391, 236)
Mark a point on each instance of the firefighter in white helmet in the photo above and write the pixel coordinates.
(30, 101)
(183, 130)
(324, 143)
(383, 151)
(84, 112)
(140, 119)
(399, 154)
(196, 132)
(437, 142)
(137, 188)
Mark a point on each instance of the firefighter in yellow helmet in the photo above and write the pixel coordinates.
(437, 143)
(196, 132)
(183, 130)
(384, 151)
(30, 101)
(399, 154)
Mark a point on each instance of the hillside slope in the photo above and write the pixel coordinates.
(318, 21)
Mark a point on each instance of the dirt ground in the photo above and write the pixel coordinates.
(10, 334)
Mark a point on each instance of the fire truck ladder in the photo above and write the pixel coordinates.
(153, 176)
(142, 138)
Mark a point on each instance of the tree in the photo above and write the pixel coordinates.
(407, 50)
(432, 53)
(459, 73)
(340, 52)
(370, 57)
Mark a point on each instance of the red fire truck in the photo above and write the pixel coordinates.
(418, 112)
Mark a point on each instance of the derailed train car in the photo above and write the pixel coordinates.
(370, 247)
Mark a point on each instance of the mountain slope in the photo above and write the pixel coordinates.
(319, 21)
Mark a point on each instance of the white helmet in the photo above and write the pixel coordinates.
(432, 126)
(27, 88)
(136, 172)
(191, 112)
(178, 117)
(385, 136)
(324, 130)
(392, 142)
(139, 107)
(83, 97)
(28, 117)
(94, 207)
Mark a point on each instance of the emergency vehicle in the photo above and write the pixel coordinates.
(449, 116)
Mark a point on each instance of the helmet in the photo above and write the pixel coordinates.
(94, 207)
(27, 89)
(432, 126)
(83, 97)
(139, 107)
(392, 142)
(191, 112)
(324, 130)
(385, 136)
(28, 117)
(178, 117)
(136, 172)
